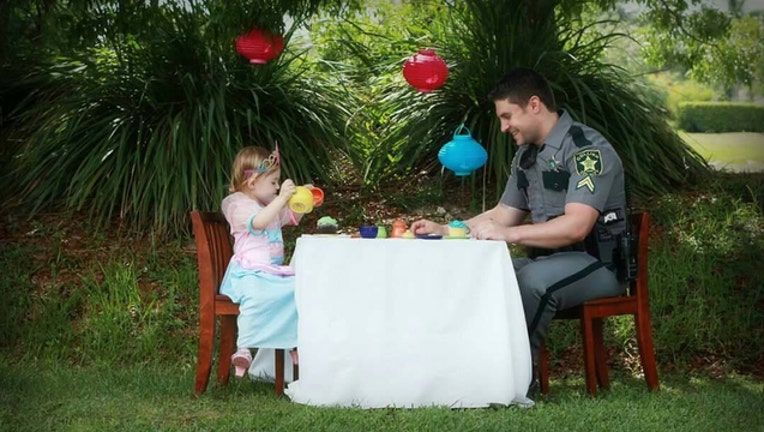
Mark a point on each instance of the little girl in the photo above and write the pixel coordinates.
(256, 278)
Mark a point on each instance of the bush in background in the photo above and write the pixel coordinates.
(721, 117)
(141, 118)
(397, 131)
(145, 122)
(677, 90)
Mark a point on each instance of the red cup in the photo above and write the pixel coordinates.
(318, 196)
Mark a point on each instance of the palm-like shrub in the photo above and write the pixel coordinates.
(492, 39)
(146, 125)
(393, 129)
(480, 41)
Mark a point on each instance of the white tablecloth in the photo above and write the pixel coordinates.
(408, 323)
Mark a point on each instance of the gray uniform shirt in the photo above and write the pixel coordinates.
(576, 164)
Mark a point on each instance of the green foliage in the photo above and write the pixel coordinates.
(116, 307)
(713, 47)
(120, 324)
(142, 121)
(712, 301)
(593, 92)
(736, 57)
(146, 125)
(720, 117)
(676, 90)
(368, 49)
(17, 291)
(396, 131)
(242, 15)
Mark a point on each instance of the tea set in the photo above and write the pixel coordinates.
(456, 230)
(306, 198)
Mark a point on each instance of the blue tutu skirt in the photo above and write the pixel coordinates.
(267, 310)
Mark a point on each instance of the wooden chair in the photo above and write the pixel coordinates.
(213, 252)
(635, 302)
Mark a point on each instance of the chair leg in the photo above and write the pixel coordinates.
(543, 367)
(227, 342)
(206, 347)
(587, 336)
(279, 372)
(646, 350)
(600, 355)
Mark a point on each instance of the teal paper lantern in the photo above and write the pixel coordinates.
(462, 155)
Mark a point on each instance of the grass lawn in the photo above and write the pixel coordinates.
(37, 397)
(740, 151)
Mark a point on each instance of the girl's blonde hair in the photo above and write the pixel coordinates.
(251, 161)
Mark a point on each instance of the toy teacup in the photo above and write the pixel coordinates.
(318, 196)
(369, 231)
(304, 199)
(301, 201)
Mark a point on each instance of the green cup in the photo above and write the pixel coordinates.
(381, 231)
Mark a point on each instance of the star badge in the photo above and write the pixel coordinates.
(589, 162)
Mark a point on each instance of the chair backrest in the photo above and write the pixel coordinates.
(640, 223)
(213, 251)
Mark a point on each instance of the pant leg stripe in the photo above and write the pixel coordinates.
(558, 285)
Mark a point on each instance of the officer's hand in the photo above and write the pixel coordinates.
(489, 230)
(424, 226)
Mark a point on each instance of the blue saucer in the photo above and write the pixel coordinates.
(429, 236)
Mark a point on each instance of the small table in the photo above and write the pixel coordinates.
(408, 323)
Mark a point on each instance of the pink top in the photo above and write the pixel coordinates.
(256, 249)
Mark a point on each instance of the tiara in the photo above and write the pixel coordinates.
(266, 164)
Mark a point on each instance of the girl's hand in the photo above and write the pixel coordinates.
(287, 189)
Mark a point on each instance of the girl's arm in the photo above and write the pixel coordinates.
(291, 218)
(272, 210)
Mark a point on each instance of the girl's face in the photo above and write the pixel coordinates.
(265, 187)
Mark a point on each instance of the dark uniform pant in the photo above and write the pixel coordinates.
(560, 281)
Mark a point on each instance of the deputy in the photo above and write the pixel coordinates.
(571, 181)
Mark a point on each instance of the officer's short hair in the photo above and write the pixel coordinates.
(520, 84)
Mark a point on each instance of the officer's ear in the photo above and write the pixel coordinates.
(534, 103)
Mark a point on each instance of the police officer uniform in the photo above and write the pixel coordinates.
(575, 164)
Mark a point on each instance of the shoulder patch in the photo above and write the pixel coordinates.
(579, 139)
(589, 162)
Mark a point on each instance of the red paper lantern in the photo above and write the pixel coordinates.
(259, 46)
(425, 71)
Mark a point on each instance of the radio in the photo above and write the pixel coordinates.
(627, 257)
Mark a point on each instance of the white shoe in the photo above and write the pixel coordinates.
(241, 361)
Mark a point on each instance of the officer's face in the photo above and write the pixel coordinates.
(518, 121)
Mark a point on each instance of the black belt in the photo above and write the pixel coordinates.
(535, 252)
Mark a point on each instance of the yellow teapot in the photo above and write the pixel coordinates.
(305, 198)
(301, 201)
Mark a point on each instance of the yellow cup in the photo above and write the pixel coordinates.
(301, 201)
